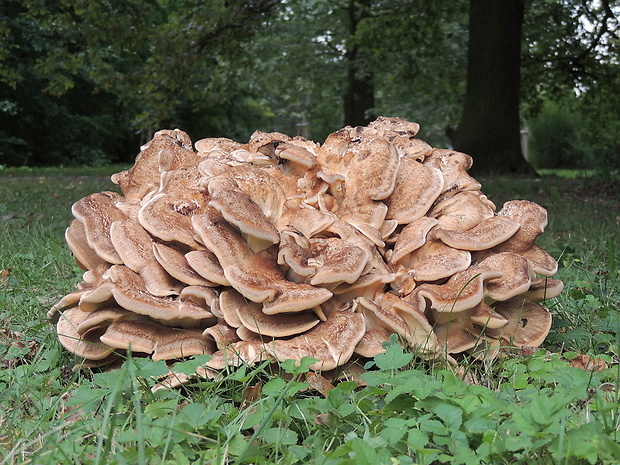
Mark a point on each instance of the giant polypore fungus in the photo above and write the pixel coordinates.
(283, 248)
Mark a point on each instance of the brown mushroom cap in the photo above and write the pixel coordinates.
(543, 289)
(85, 256)
(412, 237)
(106, 316)
(131, 294)
(533, 219)
(435, 260)
(462, 211)
(335, 261)
(150, 337)
(485, 235)
(97, 212)
(241, 211)
(86, 345)
(516, 278)
(251, 316)
(167, 216)
(206, 264)
(416, 188)
(176, 264)
(453, 166)
(462, 291)
(528, 323)
(135, 247)
(331, 342)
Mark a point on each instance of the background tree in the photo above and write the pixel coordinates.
(489, 129)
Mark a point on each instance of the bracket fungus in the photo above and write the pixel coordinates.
(284, 248)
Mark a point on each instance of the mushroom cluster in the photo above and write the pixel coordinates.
(282, 248)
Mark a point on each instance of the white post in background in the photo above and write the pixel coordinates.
(525, 149)
(303, 127)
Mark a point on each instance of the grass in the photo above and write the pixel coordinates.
(538, 408)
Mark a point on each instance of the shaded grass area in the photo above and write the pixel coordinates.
(526, 409)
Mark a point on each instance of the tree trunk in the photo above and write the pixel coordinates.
(360, 98)
(489, 129)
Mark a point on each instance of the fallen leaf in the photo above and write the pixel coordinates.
(4, 276)
(319, 383)
(251, 394)
(587, 363)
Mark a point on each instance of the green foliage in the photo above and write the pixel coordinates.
(556, 140)
(570, 136)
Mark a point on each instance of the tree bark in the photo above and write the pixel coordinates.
(489, 129)
(360, 98)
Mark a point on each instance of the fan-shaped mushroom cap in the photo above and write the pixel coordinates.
(86, 345)
(221, 144)
(298, 153)
(454, 339)
(68, 301)
(453, 166)
(168, 216)
(204, 296)
(462, 211)
(281, 325)
(417, 186)
(221, 238)
(84, 254)
(96, 212)
(106, 316)
(543, 289)
(372, 168)
(331, 342)
(435, 260)
(335, 261)
(228, 307)
(135, 247)
(533, 219)
(176, 264)
(97, 297)
(400, 319)
(462, 291)
(412, 237)
(241, 211)
(293, 253)
(473, 320)
(393, 126)
(130, 293)
(306, 219)
(485, 235)
(411, 148)
(371, 343)
(516, 278)
(368, 285)
(222, 334)
(177, 157)
(143, 177)
(150, 337)
(206, 264)
(528, 323)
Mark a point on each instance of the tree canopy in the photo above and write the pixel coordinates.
(84, 82)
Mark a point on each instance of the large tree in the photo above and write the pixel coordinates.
(489, 129)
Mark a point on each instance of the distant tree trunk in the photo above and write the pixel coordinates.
(360, 97)
(489, 129)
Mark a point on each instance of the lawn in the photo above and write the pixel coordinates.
(559, 404)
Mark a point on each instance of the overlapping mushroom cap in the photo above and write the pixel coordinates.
(283, 248)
